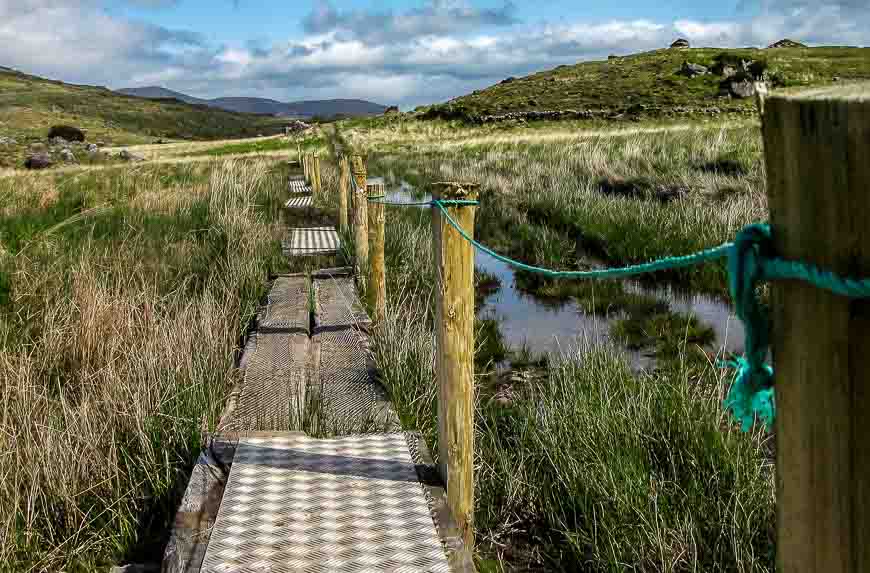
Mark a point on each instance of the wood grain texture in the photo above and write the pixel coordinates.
(360, 219)
(817, 149)
(454, 366)
(343, 189)
(316, 181)
(305, 173)
(377, 291)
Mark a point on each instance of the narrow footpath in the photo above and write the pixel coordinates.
(309, 469)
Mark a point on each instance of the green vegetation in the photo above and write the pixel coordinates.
(255, 146)
(649, 84)
(123, 294)
(30, 105)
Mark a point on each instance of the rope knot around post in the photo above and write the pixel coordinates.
(752, 391)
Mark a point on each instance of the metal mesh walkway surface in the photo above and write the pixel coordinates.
(298, 186)
(299, 202)
(346, 380)
(272, 393)
(312, 241)
(299, 504)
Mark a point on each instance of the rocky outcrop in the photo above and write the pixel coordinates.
(38, 161)
(67, 155)
(680, 43)
(786, 43)
(296, 126)
(7, 141)
(67, 132)
(392, 110)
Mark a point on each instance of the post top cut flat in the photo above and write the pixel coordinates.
(455, 190)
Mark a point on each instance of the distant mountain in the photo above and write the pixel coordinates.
(322, 108)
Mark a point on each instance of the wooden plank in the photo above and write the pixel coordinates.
(817, 148)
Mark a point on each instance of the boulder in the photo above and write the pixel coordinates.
(508, 80)
(38, 161)
(296, 126)
(691, 70)
(741, 89)
(92, 148)
(392, 110)
(58, 141)
(67, 155)
(67, 132)
(680, 43)
(727, 71)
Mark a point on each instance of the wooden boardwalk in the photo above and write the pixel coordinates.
(320, 476)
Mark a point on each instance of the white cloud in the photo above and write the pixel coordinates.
(410, 61)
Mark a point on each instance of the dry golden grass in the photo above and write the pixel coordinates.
(118, 325)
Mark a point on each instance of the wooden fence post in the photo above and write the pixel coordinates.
(343, 184)
(305, 172)
(817, 150)
(299, 153)
(360, 219)
(377, 291)
(454, 362)
(316, 174)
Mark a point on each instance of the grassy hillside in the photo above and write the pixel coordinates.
(30, 105)
(649, 83)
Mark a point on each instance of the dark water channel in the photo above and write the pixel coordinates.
(543, 326)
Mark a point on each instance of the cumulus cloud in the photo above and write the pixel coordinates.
(431, 53)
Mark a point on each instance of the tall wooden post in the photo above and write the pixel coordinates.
(316, 185)
(377, 291)
(305, 168)
(343, 184)
(817, 149)
(299, 153)
(360, 219)
(454, 362)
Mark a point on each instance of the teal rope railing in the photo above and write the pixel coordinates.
(751, 259)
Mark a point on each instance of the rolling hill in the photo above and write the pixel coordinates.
(30, 105)
(654, 84)
(319, 108)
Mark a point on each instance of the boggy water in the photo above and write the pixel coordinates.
(541, 326)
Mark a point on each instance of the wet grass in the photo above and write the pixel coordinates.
(583, 465)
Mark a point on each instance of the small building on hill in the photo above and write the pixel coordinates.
(680, 43)
(786, 43)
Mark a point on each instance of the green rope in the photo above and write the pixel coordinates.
(750, 260)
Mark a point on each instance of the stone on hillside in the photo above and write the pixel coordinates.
(127, 156)
(741, 89)
(786, 43)
(691, 70)
(392, 110)
(727, 71)
(92, 148)
(38, 161)
(7, 141)
(296, 126)
(67, 155)
(508, 80)
(58, 141)
(680, 43)
(67, 132)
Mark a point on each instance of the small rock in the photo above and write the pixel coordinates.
(38, 161)
(92, 148)
(59, 141)
(67, 155)
(835, 79)
(786, 43)
(691, 70)
(742, 89)
(728, 71)
(680, 43)
(135, 568)
(508, 80)
(392, 110)
(7, 141)
(127, 156)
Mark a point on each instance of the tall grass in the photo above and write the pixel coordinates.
(117, 337)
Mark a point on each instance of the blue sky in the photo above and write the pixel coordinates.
(392, 51)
